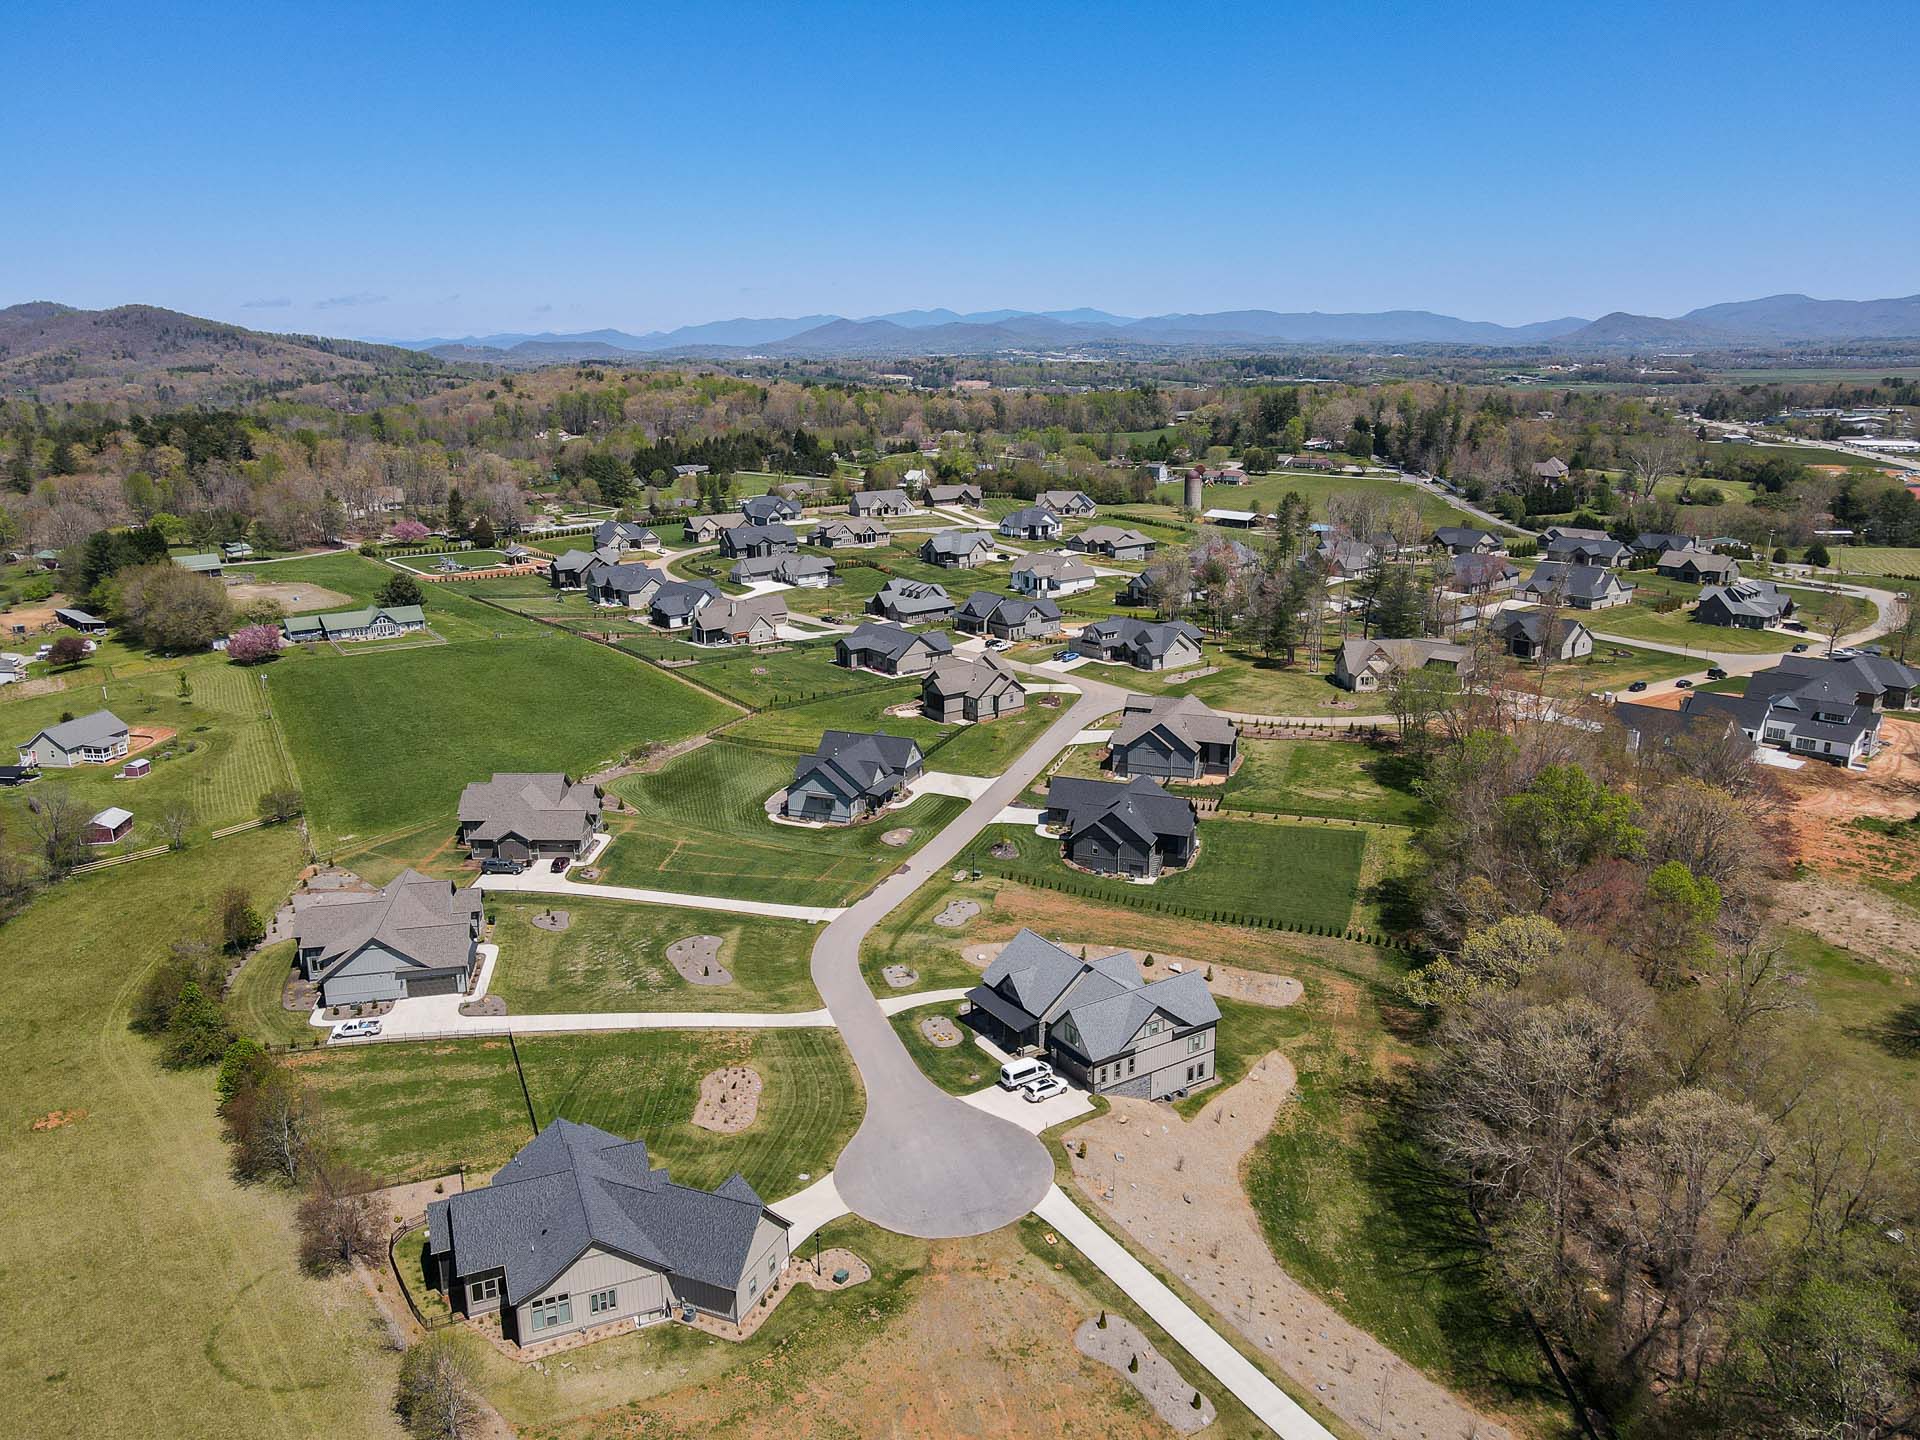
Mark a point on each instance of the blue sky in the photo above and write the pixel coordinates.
(431, 168)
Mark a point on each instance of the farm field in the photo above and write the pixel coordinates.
(700, 827)
(1872, 560)
(613, 956)
(1339, 778)
(390, 1115)
(136, 1181)
(385, 741)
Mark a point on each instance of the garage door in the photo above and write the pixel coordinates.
(435, 985)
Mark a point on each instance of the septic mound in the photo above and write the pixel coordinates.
(957, 913)
(940, 1031)
(697, 958)
(552, 920)
(729, 1099)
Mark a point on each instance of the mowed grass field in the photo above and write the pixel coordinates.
(198, 1320)
(700, 827)
(389, 1111)
(1339, 778)
(979, 749)
(613, 956)
(1678, 627)
(386, 741)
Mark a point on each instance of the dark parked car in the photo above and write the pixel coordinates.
(559, 864)
(1801, 648)
(1637, 686)
(498, 866)
(1683, 684)
(1716, 673)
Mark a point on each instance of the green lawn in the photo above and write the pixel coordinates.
(960, 1069)
(1264, 493)
(382, 742)
(1872, 560)
(222, 1333)
(1678, 627)
(389, 1111)
(700, 827)
(613, 956)
(1865, 1016)
(410, 1260)
(982, 749)
(1344, 779)
(453, 612)
(1246, 681)
(253, 1000)
(1303, 875)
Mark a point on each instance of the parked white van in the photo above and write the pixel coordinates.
(1016, 1073)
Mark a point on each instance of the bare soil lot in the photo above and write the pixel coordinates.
(299, 597)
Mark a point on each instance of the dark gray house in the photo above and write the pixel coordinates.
(580, 1230)
(849, 535)
(890, 650)
(851, 775)
(954, 495)
(521, 816)
(1477, 574)
(1584, 587)
(1465, 540)
(1698, 567)
(1098, 1021)
(1173, 737)
(1749, 604)
(958, 549)
(767, 509)
(1115, 542)
(1526, 635)
(675, 602)
(569, 570)
(975, 690)
(631, 585)
(414, 937)
(1005, 617)
(752, 539)
(912, 602)
(1579, 550)
(1121, 827)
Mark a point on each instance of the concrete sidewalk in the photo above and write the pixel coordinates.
(540, 881)
(809, 1209)
(438, 1015)
(1247, 1383)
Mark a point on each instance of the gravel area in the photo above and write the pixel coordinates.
(552, 920)
(940, 1031)
(729, 1099)
(899, 976)
(697, 960)
(1122, 1346)
(957, 913)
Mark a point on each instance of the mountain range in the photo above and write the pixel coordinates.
(1772, 321)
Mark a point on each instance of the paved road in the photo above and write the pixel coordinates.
(925, 1162)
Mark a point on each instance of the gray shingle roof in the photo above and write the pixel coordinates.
(538, 807)
(1151, 638)
(988, 675)
(428, 922)
(893, 642)
(100, 728)
(874, 764)
(956, 542)
(1029, 517)
(1106, 999)
(912, 597)
(1185, 717)
(1140, 808)
(1576, 582)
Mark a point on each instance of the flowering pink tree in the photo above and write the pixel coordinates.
(251, 644)
(408, 531)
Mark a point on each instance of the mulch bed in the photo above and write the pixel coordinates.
(729, 1099)
(1121, 1345)
(940, 1032)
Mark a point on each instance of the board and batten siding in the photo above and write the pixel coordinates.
(639, 1290)
(766, 1257)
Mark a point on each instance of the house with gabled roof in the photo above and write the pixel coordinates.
(879, 503)
(851, 775)
(1068, 504)
(1115, 542)
(97, 739)
(958, 549)
(1143, 644)
(1371, 664)
(912, 602)
(581, 1230)
(624, 535)
(1345, 559)
(1465, 540)
(751, 539)
(767, 509)
(525, 816)
(1007, 617)
(1173, 737)
(1100, 1022)
(1582, 550)
(852, 534)
(413, 937)
(705, 529)
(1825, 708)
(1584, 587)
(676, 602)
(371, 622)
(1539, 635)
(806, 572)
(1030, 522)
(631, 585)
(1551, 471)
(1658, 542)
(1748, 604)
(1476, 574)
(740, 620)
(1698, 567)
(891, 650)
(1052, 575)
(975, 690)
(954, 495)
(1121, 827)
(568, 571)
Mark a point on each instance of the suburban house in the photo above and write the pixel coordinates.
(528, 816)
(1121, 827)
(1826, 709)
(1582, 550)
(1052, 575)
(1173, 737)
(1477, 574)
(1584, 587)
(1655, 542)
(1465, 540)
(568, 571)
(1345, 559)
(1071, 504)
(954, 495)
(75, 619)
(1749, 604)
(109, 827)
(1365, 665)
(97, 739)
(961, 689)
(889, 650)
(705, 529)
(750, 539)
(1143, 644)
(1098, 1021)
(769, 509)
(632, 585)
(201, 564)
(740, 620)
(1551, 472)
(1003, 617)
(624, 535)
(912, 602)
(579, 1229)
(808, 572)
(1572, 532)
(676, 602)
(687, 472)
(880, 503)
(375, 622)
(1116, 542)
(1031, 522)
(848, 535)
(1698, 567)
(958, 549)
(413, 937)
(851, 775)
(1528, 635)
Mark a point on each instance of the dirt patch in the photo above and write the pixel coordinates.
(956, 914)
(940, 1032)
(145, 737)
(1115, 1341)
(552, 920)
(1824, 799)
(54, 1119)
(485, 1005)
(1005, 850)
(729, 1099)
(697, 959)
(899, 976)
(1874, 927)
(1174, 1186)
(897, 838)
(298, 598)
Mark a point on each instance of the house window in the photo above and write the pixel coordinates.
(601, 1302)
(773, 1263)
(1195, 1043)
(487, 1289)
(550, 1313)
(1130, 1064)
(753, 1286)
